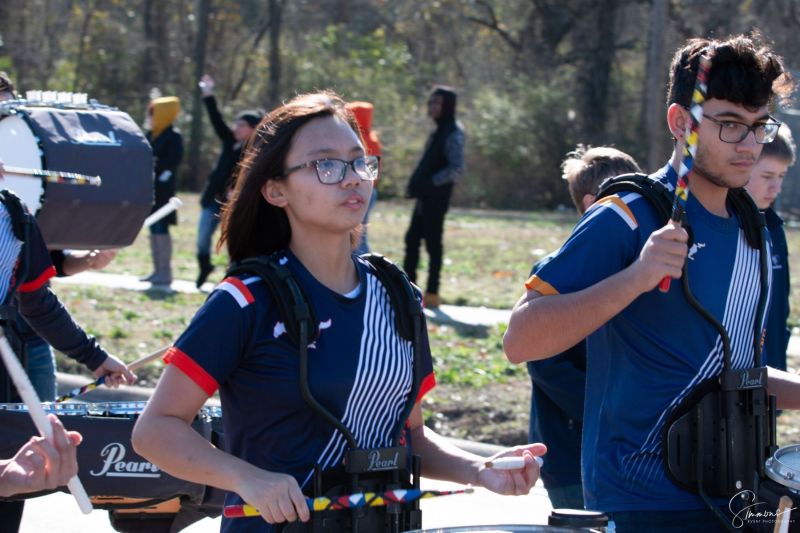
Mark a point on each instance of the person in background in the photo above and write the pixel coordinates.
(558, 384)
(29, 294)
(220, 181)
(167, 146)
(363, 112)
(41, 362)
(431, 184)
(765, 186)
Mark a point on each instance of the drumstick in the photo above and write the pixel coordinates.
(28, 394)
(173, 204)
(511, 463)
(99, 381)
(54, 176)
(783, 513)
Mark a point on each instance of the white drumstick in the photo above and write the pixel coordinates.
(510, 463)
(28, 394)
(173, 204)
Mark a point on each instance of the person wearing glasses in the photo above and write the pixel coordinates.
(431, 184)
(646, 349)
(301, 193)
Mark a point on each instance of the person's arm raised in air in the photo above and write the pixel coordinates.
(217, 122)
(544, 322)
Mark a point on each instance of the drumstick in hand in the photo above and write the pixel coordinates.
(173, 204)
(99, 381)
(28, 394)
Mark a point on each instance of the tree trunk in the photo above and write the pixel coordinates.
(275, 22)
(191, 179)
(652, 106)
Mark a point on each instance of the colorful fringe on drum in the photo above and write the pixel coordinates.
(361, 499)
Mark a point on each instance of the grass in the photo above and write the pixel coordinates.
(488, 255)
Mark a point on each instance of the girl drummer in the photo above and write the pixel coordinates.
(302, 192)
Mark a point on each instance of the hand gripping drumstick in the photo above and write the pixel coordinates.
(173, 204)
(688, 150)
(25, 390)
(99, 381)
(511, 463)
(349, 501)
(55, 176)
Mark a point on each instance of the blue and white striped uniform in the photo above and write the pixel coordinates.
(40, 268)
(644, 361)
(360, 369)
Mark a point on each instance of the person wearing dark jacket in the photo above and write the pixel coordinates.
(167, 146)
(220, 180)
(432, 185)
(25, 268)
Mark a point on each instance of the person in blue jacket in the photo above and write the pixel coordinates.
(558, 383)
(765, 186)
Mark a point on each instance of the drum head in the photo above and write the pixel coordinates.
(784, 466)
(20, 148)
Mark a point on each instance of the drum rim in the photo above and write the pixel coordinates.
(776, 469)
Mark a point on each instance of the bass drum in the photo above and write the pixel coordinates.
(96, 141)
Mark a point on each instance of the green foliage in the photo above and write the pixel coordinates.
(519, 138)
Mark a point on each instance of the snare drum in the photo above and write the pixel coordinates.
(112, 473)
(779, 493)
(784, 467)
(92, 140)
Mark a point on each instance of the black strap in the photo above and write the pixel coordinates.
(401, 293)
(292, 302)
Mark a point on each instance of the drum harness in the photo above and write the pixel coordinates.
(374, 470)
(717, 440)
(20, 226)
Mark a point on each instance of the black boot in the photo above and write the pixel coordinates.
(204, 262)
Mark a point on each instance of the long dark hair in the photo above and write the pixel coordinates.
(250, 225)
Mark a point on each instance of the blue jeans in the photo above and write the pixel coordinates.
(209, 220)
(42, 369)
(159, 228)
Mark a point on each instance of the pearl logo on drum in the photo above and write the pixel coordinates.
(377, 462)
(114, 464)
(95, 138)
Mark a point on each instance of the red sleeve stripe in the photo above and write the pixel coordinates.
(37, 283)
(193, 371)
(238, 290)
(428, 383)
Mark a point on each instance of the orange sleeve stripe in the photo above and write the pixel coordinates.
(37, 283)
(617, 201)
(428, 383)
(535, 283)
(193, 371)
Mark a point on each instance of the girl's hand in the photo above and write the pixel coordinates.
(276, 496)
(513, 482)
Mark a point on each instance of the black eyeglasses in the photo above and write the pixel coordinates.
(731, 131)
(332, 171)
